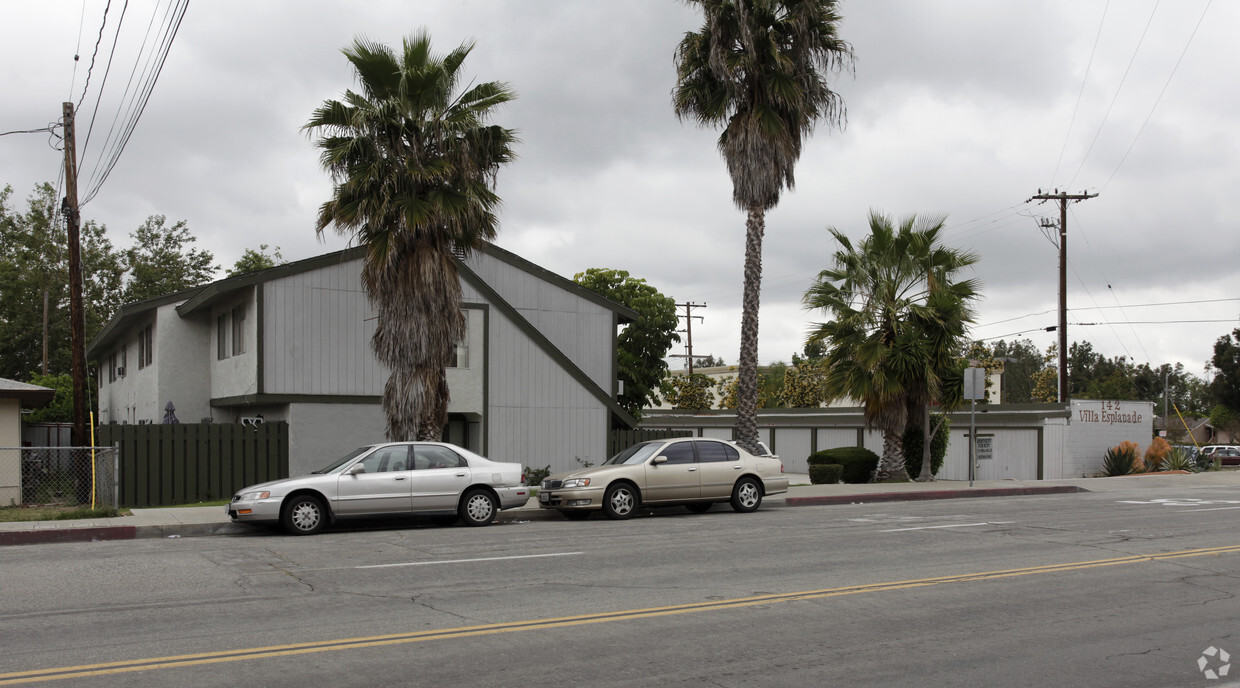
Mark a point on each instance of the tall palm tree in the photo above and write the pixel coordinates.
(413, 163)
(758, 69)
(898, 317)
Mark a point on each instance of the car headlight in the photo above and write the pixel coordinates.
(252, 496)
(576, 482)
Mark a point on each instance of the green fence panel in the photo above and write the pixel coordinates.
(186, 463)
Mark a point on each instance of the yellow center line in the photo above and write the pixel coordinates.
(243, 654)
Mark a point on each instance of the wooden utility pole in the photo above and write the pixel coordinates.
(77, 318)
(688, 316)
(1063, 199)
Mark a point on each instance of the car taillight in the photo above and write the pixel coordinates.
(781, 467)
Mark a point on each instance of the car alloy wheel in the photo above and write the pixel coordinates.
(747, 495)
(620, 501)
(304, 515)
(477, 508)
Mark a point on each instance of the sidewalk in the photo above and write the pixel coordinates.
(212, 520)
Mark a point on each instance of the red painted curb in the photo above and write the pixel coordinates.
(935, 494)
(32, 537)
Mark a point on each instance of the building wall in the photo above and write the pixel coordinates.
(10, 461)
(538, 414)
(182, 355)
(237, 374)
(580, 328)
(1096, 426)
(321, 433)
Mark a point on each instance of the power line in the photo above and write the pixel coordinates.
(1119, 88)
(1160, 94)
(48, 128)
(91, 68)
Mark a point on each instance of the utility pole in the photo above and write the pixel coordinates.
(688, 316)
(1063, 199)
(77, 318)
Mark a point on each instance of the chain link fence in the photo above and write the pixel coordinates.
(64, 476)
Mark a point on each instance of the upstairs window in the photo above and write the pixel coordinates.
(146, 349)
(238, 330)
(221, 337)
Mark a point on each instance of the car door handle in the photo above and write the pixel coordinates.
(460, 475)
(692, 469)
(738, 467)
(400, 477)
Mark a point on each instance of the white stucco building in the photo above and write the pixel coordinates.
(535, 380)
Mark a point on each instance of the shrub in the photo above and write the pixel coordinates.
(912, 443)
(858, 463)
(825, 473)
(1156, 454)
(535, 476)
(1178, 460)
(1137, 465)
(1120, 460)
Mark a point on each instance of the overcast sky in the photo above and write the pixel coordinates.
(957, 107)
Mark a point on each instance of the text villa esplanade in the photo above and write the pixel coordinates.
(1109, 413)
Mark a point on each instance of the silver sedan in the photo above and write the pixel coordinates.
(429, 478)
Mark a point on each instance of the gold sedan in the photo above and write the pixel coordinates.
(694, 472)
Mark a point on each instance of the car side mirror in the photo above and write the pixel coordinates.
(659, 459)
(355, 469)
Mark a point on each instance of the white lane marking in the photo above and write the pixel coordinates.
(468, 561)
(957, 525)
(1217, 508)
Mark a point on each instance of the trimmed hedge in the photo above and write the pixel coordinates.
(825, 473)
(858, 463)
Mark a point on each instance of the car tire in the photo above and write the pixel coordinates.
(303, 515)
(699, 507)
(746, 495)
(477, 508)
(575, 514)
(620, 501)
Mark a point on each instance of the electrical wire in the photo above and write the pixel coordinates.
(1084, 79)
(1160, 94)
(91, 68)
(104, 85)
(1115, 97)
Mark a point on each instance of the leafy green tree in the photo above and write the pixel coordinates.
(643, 344)
(692, 392)
(804, 385)
(758, 69)
(1020, 359)
(254, 260)
(34, 261)
(1226, 363)
(162, 260)
(60, 409)
(708, 361)
(1046, 381)
(413, 163)
(898, 315)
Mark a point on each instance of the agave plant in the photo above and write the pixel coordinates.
(1119, 461)
(1178, 460)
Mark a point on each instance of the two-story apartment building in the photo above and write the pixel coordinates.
(533, 382)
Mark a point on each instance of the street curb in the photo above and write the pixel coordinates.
(827, 500)
(88, 534)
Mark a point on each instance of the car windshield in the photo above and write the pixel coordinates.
(634, 454)
(339, 463)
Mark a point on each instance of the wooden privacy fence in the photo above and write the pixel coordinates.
(623, 439)
(183, 463)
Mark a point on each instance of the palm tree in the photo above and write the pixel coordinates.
(758, 69)
(898, 320)
(413, 165)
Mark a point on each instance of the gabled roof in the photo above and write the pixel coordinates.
(29, 395)
(127, 316)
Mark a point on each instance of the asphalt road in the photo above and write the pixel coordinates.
(1080, 589)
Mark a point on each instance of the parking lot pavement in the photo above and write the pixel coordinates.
(212, 520)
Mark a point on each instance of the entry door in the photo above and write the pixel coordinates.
(383, 487)
(675, 479)
(439, 477)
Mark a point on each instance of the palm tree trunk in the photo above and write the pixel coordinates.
(747, 375)
(891, 466)
(927, 470)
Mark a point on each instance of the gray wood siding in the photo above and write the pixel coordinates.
(580, 328)
(317, 327)
(538, 414)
